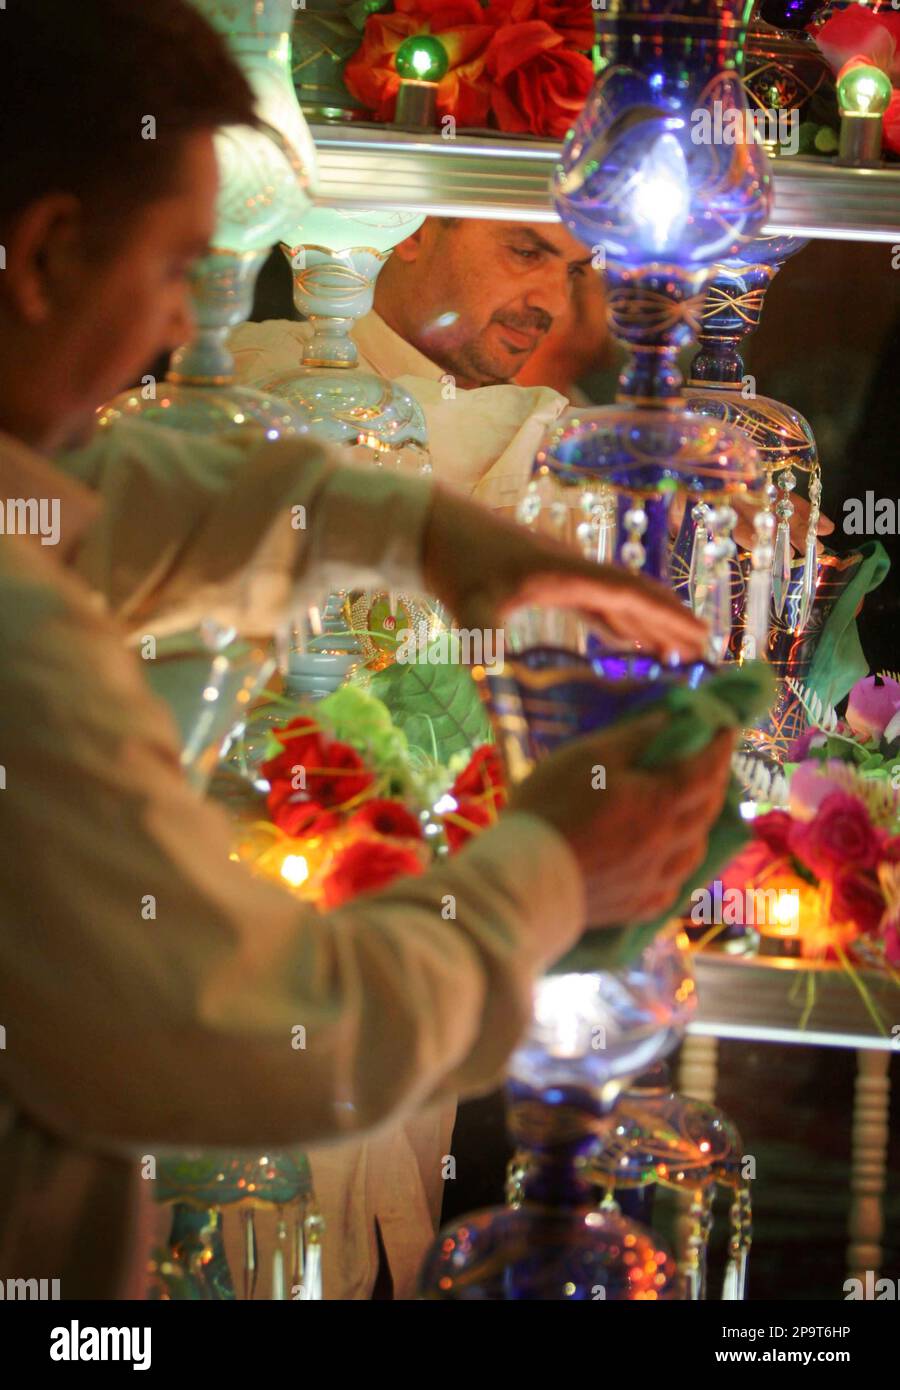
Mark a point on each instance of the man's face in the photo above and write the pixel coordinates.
(100, 309)
(478, 297)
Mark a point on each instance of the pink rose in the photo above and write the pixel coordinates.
(810, 785)
(857, 33)
(840, 836)
(872, 705)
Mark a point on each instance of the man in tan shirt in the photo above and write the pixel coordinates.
(125, 1034)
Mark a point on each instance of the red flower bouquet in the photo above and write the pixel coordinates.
(517, 65)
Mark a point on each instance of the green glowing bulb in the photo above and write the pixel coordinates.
(864, 91)
(422, 58)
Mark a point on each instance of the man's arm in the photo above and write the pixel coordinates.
(152, 990)
(230, 527)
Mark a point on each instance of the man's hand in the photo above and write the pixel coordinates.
(483, 567)
(640, 838)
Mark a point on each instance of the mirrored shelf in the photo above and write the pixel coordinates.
(762, 1000)
(503, 177)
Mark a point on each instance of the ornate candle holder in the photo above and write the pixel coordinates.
(590, 1033)
(692, 1148)
(718, 389)
(644, 182)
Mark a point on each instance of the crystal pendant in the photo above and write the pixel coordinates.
(811, 555)
(759, 589)
(781, 572)
(696, 580)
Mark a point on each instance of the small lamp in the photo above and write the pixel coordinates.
(421, 64)
(864, 93)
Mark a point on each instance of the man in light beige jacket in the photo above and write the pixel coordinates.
(124, 1034)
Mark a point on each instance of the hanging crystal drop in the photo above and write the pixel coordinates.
(250, 1253)
(278, 1281)
(529, 509)
(604, 514)
(718, 554)
(759, 595)
(313, 1228)
(811, 555)
(633, 553)
(700, 518)
(781, 569)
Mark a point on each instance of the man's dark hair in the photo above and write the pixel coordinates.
(78, 78)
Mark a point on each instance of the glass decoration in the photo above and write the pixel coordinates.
(326, 34)
(719, 389)
(671, 1141)
(335, 259)
(647, 185)
(203, 1190)
(265, 182)
(590, 1034)
(782, 73)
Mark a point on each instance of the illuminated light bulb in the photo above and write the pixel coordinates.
(421, 62)
(294, 869)
(660, 199)
(786, 911)
(864, 94)
(863, 90)
(422, 58)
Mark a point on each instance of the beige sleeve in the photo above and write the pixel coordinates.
(235, 528)
(150, 988)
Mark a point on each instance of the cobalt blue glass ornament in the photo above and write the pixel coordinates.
(661, 177)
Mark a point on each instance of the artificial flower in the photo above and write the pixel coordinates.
(388, 818)
(811, 782)
(873, 702)
(539, 85)
(891, 124)
(333, 773)
(774, 830)
(365, 867)
(856, 898)
(573, 20)
(301, 819)
(839, 836)
(469, 817)
(857, 33)
(482, 776)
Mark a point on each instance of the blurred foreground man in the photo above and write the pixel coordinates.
(124, 1036)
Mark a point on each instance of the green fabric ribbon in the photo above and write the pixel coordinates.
(839, 661)
(729, 699)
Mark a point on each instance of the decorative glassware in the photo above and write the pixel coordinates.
(692, 1148)
(326, 34)
(783, 71)
(645, 183)
(590, 1033)
(719, 389)
(336, 258)
(201, 1188)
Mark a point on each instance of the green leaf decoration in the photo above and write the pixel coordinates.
(435, 703)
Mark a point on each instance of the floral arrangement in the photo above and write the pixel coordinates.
(858, 35)
(828, 859)
(352, 807)
(514, 65)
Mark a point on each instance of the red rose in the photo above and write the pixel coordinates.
(366, 866)
(539, 85)
(891, 124)
(856, 899)
(839, 836)
(892, 942)
(572, 19)
(469, 817)
(482, 776)
(301, 818)
(747, 867)
(371, 74)
(388, 818)
(856, 32)
(774, 830)
(890, 851)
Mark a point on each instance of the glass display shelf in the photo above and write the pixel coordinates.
(377, 166)
(762, 999)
